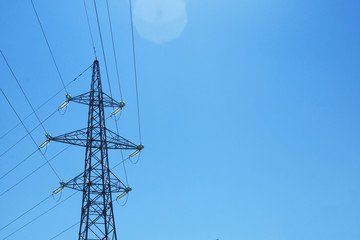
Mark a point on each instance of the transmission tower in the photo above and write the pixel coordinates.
(97, 182)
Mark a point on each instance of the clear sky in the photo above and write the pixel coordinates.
(249, 110)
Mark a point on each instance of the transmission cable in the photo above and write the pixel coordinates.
(67, 229)
(89, 26)
(42, 201)
(57, 175)
(120, 163)
(34, 171)
(48, 100)
(102, 47)
(52, 114)
(135, 69)
(125, 172)
(17, 165)
(12, 146)
(126, 178)
(113, 46)
(137, 160)
(103, 50)
(118, 78)
(48, 196)
(42, 214)
(47, 43)
(116, 63)
(22, 90)
(23, 214)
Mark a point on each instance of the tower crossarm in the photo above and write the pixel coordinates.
(79, 138)
(115, 141)
(85, 99)
(77, 183)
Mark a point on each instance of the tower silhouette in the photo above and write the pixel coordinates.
(96, 182)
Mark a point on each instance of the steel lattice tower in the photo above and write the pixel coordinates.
(97, 182)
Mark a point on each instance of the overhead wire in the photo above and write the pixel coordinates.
(137, 160)
(45, 200)
(103, 50)
(52, 168)
(114, 51)
(118, 80)
(22, 90)
(102, 47)
(34, 171)
(46, 197)
(47, 118)
(37, 217)
(135, 68)
(48, 45)
(27, 211)
(48, 100)
(89, 26)
(17, 165)
(27, 134)
(64, 231)
(126, 177)
(125, 172)
(66, 91)
(120, 163)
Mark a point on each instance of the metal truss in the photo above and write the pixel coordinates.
(85, 99)
(97, 182)
(79, 138)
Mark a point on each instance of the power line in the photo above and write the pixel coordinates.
(34, 171)
(20, 216)
(116, 63)
(42, 214)
(52, 114)
(119, 84)
(48, 100)
(42, 201)
(103, 50)
(120, 163)
(57, 175)
(113, 46)
(12, 146)
(102, 45)
(47, 43)
(10, 130)
(39, 203)
(67, 229)
(23, 214)
(22, 90)
(137, 160)
(135, 69)
(17, 165)
(125, 172)
(90, 31)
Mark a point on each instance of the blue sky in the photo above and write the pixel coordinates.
(249, 115)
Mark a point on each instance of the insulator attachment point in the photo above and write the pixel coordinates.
(118, 109)
(68, 97)
(59, 189)
(66, 102)
(138, 149)
(47, 141)
(123, 194)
